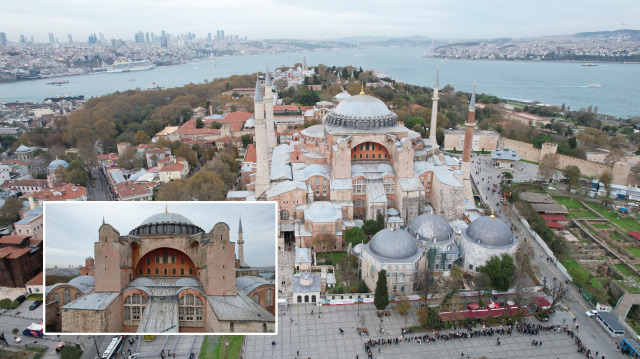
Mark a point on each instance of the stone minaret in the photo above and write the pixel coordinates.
(434, 113)
(262, 171)
(304, 65)
(468, 144)
(240, 243)
(268, 108)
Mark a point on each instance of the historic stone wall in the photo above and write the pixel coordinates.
(108, 320)
(482, 140)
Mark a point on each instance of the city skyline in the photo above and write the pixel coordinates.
(71, 229)
(438, 20)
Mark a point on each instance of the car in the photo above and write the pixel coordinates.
(591, 313)
(35, 304)
(21, 299)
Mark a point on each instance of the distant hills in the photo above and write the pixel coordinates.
(625, 34)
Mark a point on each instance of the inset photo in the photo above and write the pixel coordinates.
(160, 268)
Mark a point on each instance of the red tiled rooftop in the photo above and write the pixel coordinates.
(37, 280)
(554, 217)
(131, 189)
(68, 191)
(552, 224)
(635, 235)
(13, 252)
(31, 183)
(12, 239)
(172, 167)
(251, 153)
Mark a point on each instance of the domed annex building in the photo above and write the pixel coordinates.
(485, 237)
(358, 163)
(167, 275)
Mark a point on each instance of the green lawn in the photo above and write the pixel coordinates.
(335, 257)
(635, 251)
(601, 226)
(215, 350)
(630, 224)
(615, 237)
(624, 270)
(569, 202)
(596, 283)
(35, 296)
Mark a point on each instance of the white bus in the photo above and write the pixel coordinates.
(113, 348)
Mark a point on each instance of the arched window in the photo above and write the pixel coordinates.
(174, 271)
(317, 181)
(181, 271)
(157, 271)
(264, 327)
(140, 271)
(284, 215)
(190, 311)
(134, 309)
(389, 185)
(166, 271)
(77, 295)
(148, 270)
(256, 298)
(67, 296)
(358, 203)
(313, 298)
(306, 299)
(269, 298)
(358, 186)
(56, 297)
(324, 192)
(191, 271)
(299, 299)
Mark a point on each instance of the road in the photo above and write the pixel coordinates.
(591, 333)
(100, 192)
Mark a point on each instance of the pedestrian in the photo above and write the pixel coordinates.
(297, 353)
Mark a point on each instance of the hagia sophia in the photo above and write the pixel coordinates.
(167, 275)
(361, 162)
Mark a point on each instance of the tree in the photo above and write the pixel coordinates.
(306, 98)
(199, 123)
(614, 156)
(606, 178)
(380, 221)
(457, 275)
(9, 212)
(185, 151)
(573, 174)
(548, 166)
(324, 242)
(429, 318)
(355, 235)
(413, 121)
(206, 186)
(370, 227)
(128, 159)
(403, 304)
(428, 284)
(348, 270)
(573, 142)
(175, 190)
(246, 140)
(381, 298)
(141, 137)
(500, 271)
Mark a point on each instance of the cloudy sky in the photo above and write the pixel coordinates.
(328, 19)
(71, 228)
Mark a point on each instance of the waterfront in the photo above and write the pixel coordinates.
(548, 82)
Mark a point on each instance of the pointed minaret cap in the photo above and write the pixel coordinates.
(258, 95)
(362, 89)
(437, 77)
(472, 103)
(267, 78)
(103, 223)
(166, 208)
(240, 225)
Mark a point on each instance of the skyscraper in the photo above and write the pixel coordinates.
(51, 39)
(222, 35)
(146, 36)
(3, 39)
(93, 39)
(23, 39)
(218, 35)
(70, 38)
(139, 37)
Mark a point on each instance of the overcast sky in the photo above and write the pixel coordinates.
(461, 19)
(71, 228)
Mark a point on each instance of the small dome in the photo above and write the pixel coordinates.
(23, 148)
(342, 95)
(316, 131)
(489, 231)
(89, 258)
(57, 163)
(393, 244)
(427, 225)
(361, 112)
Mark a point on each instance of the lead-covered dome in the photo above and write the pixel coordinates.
(363, 112)
(166, 223)
(57, 163)
(427, 226)
(489, 231)
(393, 244)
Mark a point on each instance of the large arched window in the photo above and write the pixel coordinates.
(358, 186)
(77, 295)
(269, 298)
(256, 298)
(358, 203)
(389, 185)
(190, 311)
(134, 309)
(67, 296)
(284, 215)
(56, 297)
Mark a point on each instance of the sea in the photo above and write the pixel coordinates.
(554, 83)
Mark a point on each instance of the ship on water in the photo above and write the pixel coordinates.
(58, 82)
(128, 66)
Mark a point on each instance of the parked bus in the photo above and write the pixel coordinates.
(113, 348)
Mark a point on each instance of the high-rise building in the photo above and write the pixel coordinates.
(139, 37)
(33, 41)
(23, 39)
(236, 37)
(3, 39)
(222, 35)
(93, 39)
(51, 39)
(146, 37)
(70, 38)
(209, 36)
(217, 34)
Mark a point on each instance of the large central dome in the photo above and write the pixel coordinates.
(166, 223)
(361, 111)
(393, 244)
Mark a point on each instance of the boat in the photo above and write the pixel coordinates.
(58, 82)
(127, 66)
(589, 64)
(154, 87)
(594, 85)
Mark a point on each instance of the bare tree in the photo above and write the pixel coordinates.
(428, 284)
(348, 270)
(524, 270)
(548, 166)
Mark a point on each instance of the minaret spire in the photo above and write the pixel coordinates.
(166, 208)
(240, 225)
(268, 108)
(258, 94)
(434, 112)
(472, 103)
(468, 146)
(267, 77)
(240, 243)
(262, 170)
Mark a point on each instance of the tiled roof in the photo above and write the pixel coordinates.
(132, 189)
(11, 239)
(189, 128)
(251, 153)
(553, 217)
(13, 252)
(31, 183)
(37, 280)
(172, 167)
(67, 192)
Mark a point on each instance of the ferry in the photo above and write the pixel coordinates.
(127, 66)
(594, 85)
(58, 82)
(589, 64)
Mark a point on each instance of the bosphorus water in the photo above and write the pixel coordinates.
(548, 82)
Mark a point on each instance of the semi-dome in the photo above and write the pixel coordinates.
(393, 244)
(166, 223)
(57, 163)
(426, 226)
(489, 231)
(362, 112)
